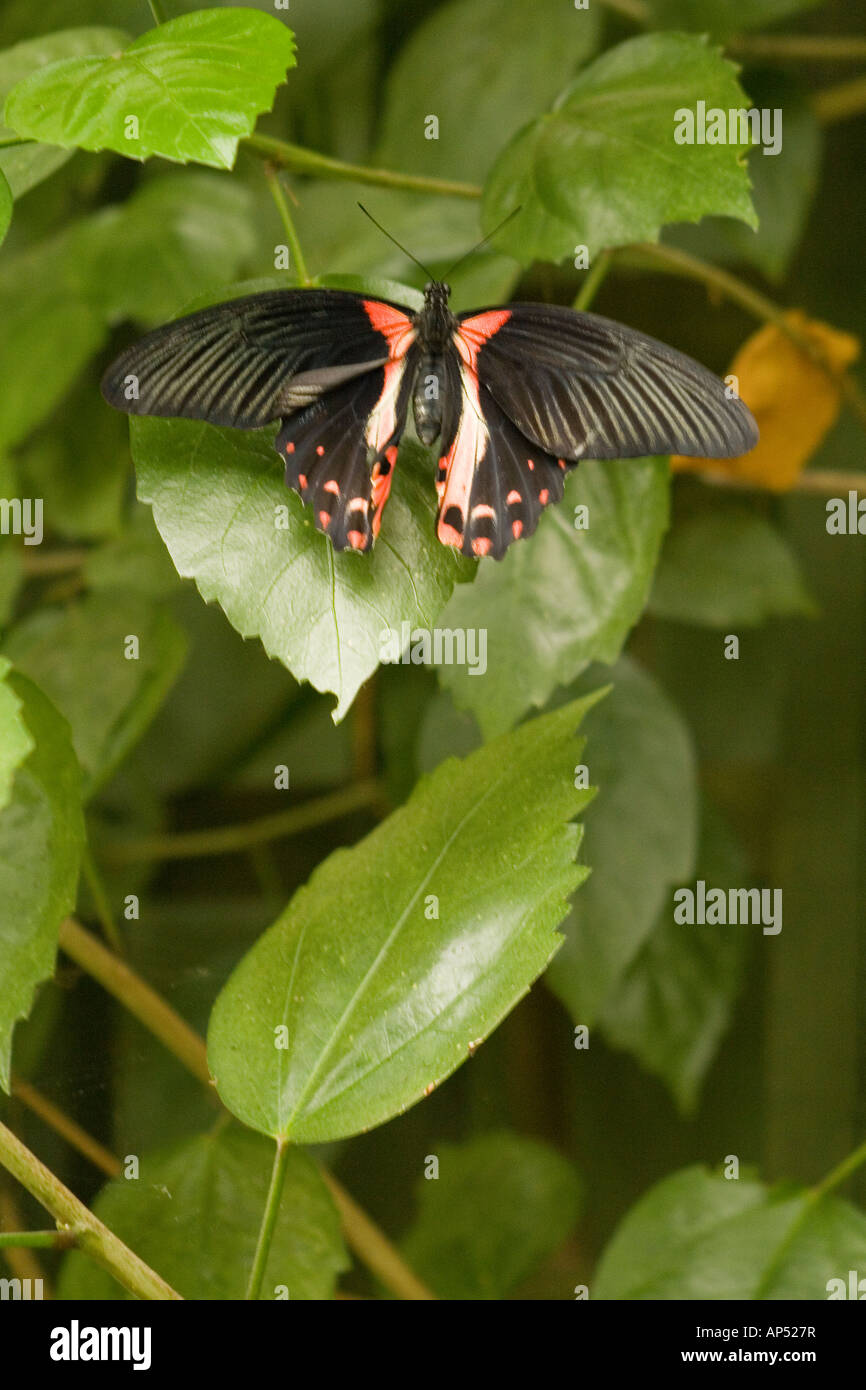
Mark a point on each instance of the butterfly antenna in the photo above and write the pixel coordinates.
(489, 237)
(429, 275)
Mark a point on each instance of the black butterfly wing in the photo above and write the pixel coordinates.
(340, 451)
(540, 387)
(493, 483)
(333, 366)
(235, 363)
(582, 386)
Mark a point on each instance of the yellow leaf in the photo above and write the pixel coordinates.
(793, 400)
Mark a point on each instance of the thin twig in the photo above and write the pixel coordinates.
(304, 161)
(840, 102)
(292, 238)
(229, 839)
(92, 1237)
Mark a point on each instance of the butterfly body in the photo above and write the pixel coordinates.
(516, 396)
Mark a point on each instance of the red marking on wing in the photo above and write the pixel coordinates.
(470, 444)
(473, 333)
(393, 324)
(381, 486)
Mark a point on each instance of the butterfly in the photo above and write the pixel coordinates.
(517, 396)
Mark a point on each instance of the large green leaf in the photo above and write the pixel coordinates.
(216, 495)
(603, 169)
(497, 1206)
(194, 1211)
(194, 86)
(641, 833)
(49, 332)
(404, 952)
(565, 597)
(41, 838)
(15, 739)
(722, 18)
(698, 1235)
(674, 1002)
(726, 570)
(450, 69)
(27, 165)
(784, 185)
(78, 656)
(177, 238)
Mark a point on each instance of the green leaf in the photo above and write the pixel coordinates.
(698, 1235)
(728, 569)
(27, 165)
(77, 654)
(175, 239)
(194, 1211)
(49, 333)
(193, 741)
(378, 1015)
(723, 17)
(565, 597)
(194, 85)
(674, 1002)
(449, 68)
(784, 185)
(15, 740)
(5, 205)
(641, 834)
(41, 839)
(215, 497)
(499, 1205)
(603, 169)
(77, 461)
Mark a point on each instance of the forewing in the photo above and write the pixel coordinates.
(256, 359)
(582, 386)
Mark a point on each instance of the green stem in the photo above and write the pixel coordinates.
(840, 1173)
(635, 10)
(818, 47)
(279, 198)
(840, 102)
(302, 161)
(156, 9)
(593, 280)
(37, 1240)
(100, 900)
(53, 562)
(144, 1003)
(228, 839)
(269, 1219)
(813, 1197)
(91, 1236)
